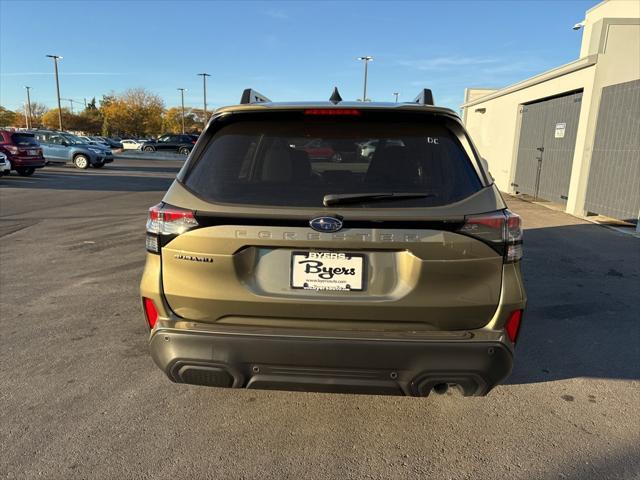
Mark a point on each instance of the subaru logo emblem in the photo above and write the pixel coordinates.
(326, 224)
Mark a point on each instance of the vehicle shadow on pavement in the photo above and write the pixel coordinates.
(106, 180)
(582, 283)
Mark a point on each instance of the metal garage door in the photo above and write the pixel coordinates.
(547, 142)
(614, 175)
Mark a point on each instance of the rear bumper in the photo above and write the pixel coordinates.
(345, 362)
(18, 162)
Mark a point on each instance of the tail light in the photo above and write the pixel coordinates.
(193, 142)
(150, 311)
(502, 230)
(166, 222)
(12, 149)
(512, 327)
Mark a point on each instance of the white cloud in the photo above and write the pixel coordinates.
(271, 41)
(277, 14)
(512, 67)
(447, 63)
(28, 74)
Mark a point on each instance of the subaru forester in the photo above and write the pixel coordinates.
(391, 272)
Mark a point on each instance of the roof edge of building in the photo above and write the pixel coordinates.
(596, 6)
(560, 71)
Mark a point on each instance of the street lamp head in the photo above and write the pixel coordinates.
(57, 57)
(204, 74)
(367, 58)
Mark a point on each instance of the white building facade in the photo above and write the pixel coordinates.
(571, 135)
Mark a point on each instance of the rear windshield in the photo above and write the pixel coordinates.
(297, 163)
(23, 139)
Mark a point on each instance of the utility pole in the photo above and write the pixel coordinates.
(55, 65)
(70, 100)
(204, 91)
(182, 97)
(28, 111)
(366, 61)
(396, 94)
(85, 103)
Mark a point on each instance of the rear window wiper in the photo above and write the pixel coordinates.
(342, 198)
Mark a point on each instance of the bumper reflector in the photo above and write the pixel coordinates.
(150, 312)
(512, 326)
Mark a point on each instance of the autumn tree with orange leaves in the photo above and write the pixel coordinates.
(136, 112)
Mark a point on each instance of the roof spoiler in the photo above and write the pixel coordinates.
(425, 97)
(251, 96)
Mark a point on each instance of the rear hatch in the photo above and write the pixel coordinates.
(392, 231)
(25, 146)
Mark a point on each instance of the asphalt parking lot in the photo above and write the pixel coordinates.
(81, 398)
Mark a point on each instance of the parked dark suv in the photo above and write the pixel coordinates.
(22, 150)
(182, 144)
(393, 273)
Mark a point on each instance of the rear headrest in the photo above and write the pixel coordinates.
(392, 164)
(283, 164)
(301, 165)
(277, 165)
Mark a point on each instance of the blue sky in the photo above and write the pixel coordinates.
(286, 50)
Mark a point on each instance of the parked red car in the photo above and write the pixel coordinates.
(22, 150)
(319, 150)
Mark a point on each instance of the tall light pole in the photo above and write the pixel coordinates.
(366, 61)
(204, 90)
(182, 96)
(55, 66)
(396, 94)
(28, 107)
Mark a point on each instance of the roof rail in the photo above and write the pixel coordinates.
(425, 97)
(251, 96)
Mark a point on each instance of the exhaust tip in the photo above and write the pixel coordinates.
(440, 388)
(205, 376)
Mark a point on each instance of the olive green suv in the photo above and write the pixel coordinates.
(387, 263)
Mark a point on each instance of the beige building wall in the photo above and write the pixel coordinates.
(494, 124)
(610, 54)
(607, 9)
(471, 94)
(618, 62)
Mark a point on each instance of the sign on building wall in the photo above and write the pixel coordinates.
(560, 128)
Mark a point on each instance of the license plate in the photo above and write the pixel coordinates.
(31, 152)
(327, 271)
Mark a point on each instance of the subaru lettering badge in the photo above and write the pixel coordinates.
(326, 224)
